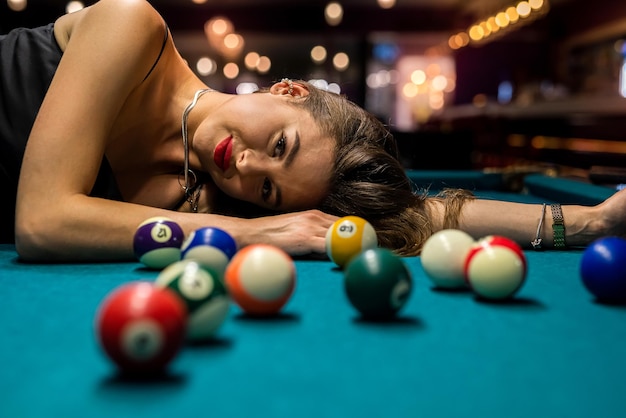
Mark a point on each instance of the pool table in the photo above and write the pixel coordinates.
(552, 351)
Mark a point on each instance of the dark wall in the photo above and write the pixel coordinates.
(481, 69)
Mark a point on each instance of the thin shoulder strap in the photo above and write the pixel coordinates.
(160, 52)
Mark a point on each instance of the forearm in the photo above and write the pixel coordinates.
(520, 221)
(83, 228)
(91, 229)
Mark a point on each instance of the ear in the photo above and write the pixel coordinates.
(283, 87)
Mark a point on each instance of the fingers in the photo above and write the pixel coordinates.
(308, 236)
(298, 233)
(318, 245)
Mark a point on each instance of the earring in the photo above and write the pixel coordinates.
(290, 84)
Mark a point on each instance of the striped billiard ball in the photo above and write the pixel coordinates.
(212, 247)
(202, 291)
(260, 279)
(347, 237)
(495, 268)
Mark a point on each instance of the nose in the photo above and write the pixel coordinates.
(250, 163)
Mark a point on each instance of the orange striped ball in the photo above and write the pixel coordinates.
(260, 279)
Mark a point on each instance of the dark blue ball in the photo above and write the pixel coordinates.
(211, 247)
(603, 269)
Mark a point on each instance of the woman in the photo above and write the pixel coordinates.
(125, 131)
(113, 113)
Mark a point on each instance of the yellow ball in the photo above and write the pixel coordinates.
(348, 237)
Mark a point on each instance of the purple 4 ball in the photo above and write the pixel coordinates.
(157, 242)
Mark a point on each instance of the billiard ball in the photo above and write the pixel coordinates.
(157, 242)
(348, 236)
(203, 293)
(377, 283)
(443, 257)
(141, 327)
(260, 278)
(495, 267)
(211, 247)
(603, 269)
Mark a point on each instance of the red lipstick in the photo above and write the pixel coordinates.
(222, 153)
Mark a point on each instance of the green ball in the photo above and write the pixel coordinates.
(203, 293)
(377, 283)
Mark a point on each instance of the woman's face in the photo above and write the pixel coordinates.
(261, 149)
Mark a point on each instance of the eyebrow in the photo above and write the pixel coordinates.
(288, 161)
(294, 150)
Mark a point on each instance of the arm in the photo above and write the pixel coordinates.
(104, 231)
(519, 221)
(104, 60)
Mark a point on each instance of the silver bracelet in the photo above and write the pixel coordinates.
(536, 243)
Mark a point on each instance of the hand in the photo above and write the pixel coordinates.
(612, 215)
(297, 233)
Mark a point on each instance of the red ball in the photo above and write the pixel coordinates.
(508, 243)
(141, 327)
(495, 267)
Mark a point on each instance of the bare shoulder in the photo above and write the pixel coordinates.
(120, 17)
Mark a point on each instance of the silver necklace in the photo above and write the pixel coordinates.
(191, 187)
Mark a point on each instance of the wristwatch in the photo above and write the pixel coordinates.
(558, 226)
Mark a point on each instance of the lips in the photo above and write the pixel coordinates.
(223, 152)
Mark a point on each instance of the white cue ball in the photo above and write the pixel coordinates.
(443, 257)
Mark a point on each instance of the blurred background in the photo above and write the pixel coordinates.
(482, 84)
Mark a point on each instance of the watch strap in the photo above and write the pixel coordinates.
(558, 226)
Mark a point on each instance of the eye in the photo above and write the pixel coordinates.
(266, 191)
(281, 144)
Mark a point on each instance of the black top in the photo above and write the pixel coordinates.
(28, 60)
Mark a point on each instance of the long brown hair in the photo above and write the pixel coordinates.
(369, 180)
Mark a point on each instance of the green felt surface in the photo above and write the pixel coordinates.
(566, 191)
(534, 187)
(551, 352)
